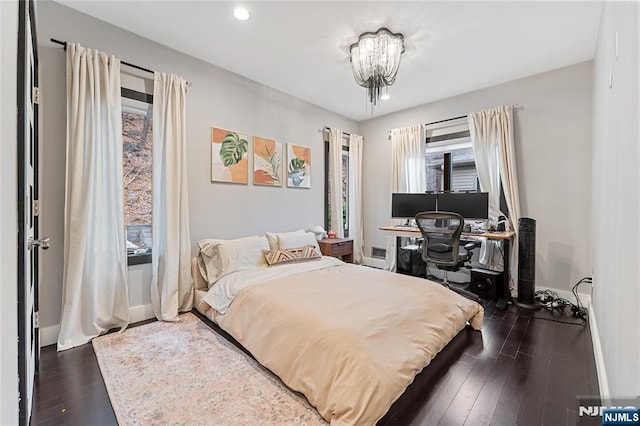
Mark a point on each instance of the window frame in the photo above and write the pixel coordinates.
(345, 152)
(446, 143)
(137, 259)
(452, 141)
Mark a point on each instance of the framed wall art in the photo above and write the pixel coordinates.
(229, 156)
(267, 162)
(298, 166)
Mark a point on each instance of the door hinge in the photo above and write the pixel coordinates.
(36, 95)
(35, 208)
(36, 319)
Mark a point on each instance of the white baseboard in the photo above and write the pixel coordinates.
(49, 335)
(140, 313)
(603, 384)
(374, 262)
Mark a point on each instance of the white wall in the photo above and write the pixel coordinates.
(8, 215)
(553, 155)
(215, 98)
(616, 197)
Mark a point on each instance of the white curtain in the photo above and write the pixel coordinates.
(171, 284)
(95, 297)
(335, 181)
(408, 172)
(507, 161)
(509, 177)
(356, 225)
(493, 145)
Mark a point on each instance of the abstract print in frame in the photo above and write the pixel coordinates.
(229, 156)
(267, 162)
(298, 166)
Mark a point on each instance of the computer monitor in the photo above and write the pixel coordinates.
(406, 206)
(471, 205)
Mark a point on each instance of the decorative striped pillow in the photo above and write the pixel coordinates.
(298, 254)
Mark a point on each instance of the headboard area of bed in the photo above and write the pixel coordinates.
(218, 257)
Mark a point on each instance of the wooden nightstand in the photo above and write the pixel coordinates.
(337, 247)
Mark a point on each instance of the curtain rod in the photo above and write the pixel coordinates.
(138, 67)
(515, 106)
(458, 118)
(64, 43)
(325, 128)
(444, 121)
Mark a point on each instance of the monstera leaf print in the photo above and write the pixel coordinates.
(298, 166)
(232, 149)
(297, 170)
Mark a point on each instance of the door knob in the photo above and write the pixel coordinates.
(43, 243)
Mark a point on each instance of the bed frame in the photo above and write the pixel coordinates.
(425, 387)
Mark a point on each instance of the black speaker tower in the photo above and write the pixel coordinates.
(527, 264)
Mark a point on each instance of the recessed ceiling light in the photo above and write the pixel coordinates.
(241, 13)
(384, 96)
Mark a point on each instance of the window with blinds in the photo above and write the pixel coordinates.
(449, 158)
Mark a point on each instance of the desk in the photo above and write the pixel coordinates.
(506, 236)
(414, 232)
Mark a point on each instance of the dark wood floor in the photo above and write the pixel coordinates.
(521, 370)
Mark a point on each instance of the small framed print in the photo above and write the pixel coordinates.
(298, 166)
(229, 156)
(267, 162)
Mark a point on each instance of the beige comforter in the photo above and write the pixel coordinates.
(350, 338)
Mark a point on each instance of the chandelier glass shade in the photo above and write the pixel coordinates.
(375, 60)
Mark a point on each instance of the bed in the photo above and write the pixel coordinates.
(348, 337)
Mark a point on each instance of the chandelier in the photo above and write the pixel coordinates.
(375, 60)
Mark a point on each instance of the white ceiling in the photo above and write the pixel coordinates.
(301, 47)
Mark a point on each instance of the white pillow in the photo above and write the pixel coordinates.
(294, 240)
(241, 254)
(209, 263)
(273, 238)
(222, 257)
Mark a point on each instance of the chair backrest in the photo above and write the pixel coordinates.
(441, 232)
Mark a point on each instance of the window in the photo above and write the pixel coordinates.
(137, 140)
(451, 163)
(345, 189)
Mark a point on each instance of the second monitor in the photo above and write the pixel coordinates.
(407, 206)
(471, 205)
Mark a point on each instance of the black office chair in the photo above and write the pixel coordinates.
(441, 245)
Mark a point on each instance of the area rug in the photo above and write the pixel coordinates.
(186, 373)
